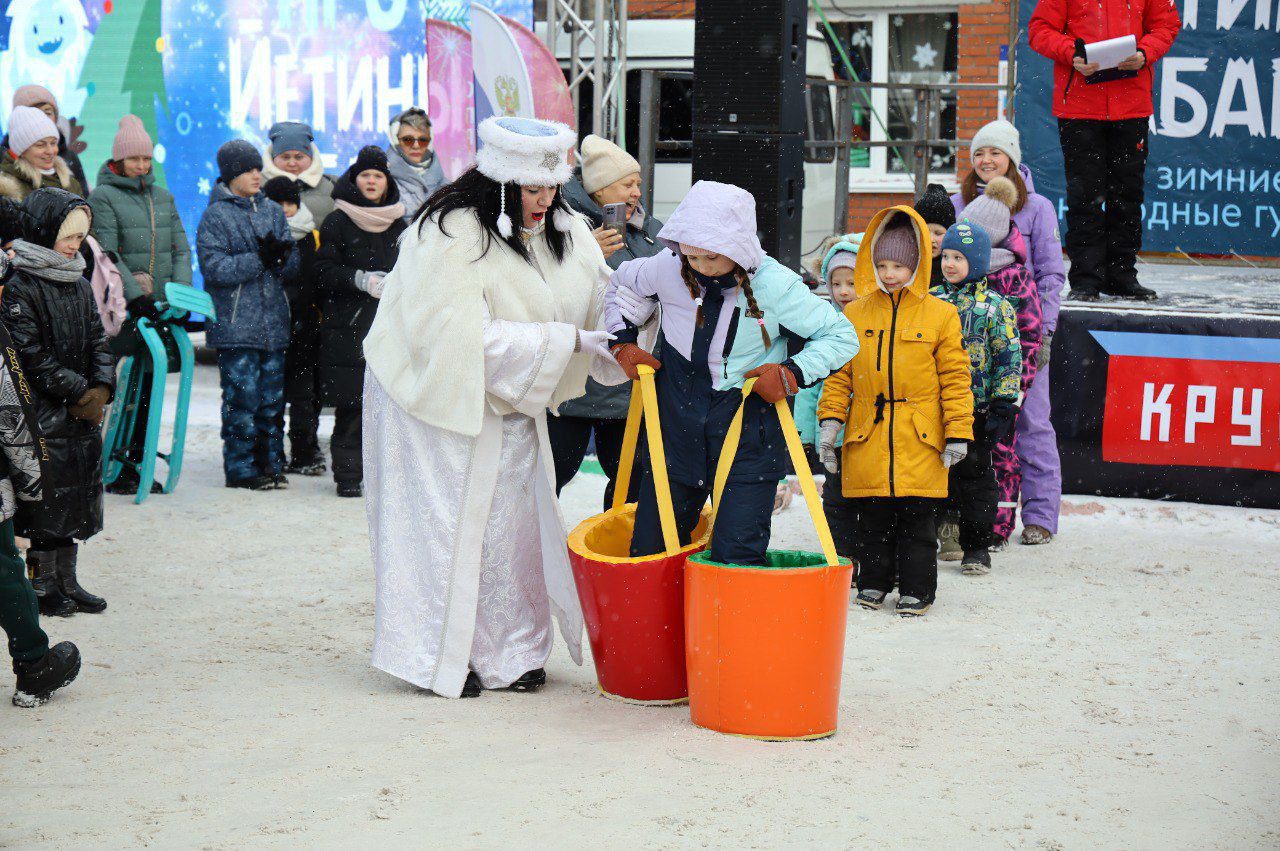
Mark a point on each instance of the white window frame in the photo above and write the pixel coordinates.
(877, 177)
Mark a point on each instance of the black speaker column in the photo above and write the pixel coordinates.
(749, 109)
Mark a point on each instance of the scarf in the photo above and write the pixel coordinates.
(302, 223)
(372, 219)
(418, 169)
(46, 263)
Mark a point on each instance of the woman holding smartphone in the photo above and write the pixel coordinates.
(609, 177)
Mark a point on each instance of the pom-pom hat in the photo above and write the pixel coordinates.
(527, 152)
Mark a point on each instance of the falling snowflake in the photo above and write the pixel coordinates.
(946, 25)
(204, 186)
(924, 55)
(861, 38)
(898, 20)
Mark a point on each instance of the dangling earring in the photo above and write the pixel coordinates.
(504, 221)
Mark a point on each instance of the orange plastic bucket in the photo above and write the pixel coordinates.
(764, 645)
(634, 607)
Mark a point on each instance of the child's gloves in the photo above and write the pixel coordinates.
(774, 382)
(594, 343)
(629, 356)
(274, 252)
(954, 453)
(636, 309)
(828, 434)
(1001, 420)
(1042, 356)
(370, 282)
(91, 405)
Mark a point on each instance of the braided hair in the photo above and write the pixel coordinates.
(744, 281)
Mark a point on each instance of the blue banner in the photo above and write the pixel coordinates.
(1213, 172)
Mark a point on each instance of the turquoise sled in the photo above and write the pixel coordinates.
(180, 301)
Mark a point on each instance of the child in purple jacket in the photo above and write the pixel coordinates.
(996, 152)
(1008, 275)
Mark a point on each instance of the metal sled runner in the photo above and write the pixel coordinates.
(180, 301)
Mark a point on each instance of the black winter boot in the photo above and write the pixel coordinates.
(531, 681)
(38, 680)
(42, 570)
(70, 586)
(471, 688)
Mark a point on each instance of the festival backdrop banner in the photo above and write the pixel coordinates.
(200, 72)
(1213, 173)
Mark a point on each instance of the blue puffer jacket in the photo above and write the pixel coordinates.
(253, 312)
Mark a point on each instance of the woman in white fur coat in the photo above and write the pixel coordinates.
(483, 326)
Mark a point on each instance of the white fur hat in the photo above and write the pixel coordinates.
(528, 152)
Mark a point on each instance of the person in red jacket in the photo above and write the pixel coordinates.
(1103, 131)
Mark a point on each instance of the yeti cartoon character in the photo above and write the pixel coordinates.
(48, 42)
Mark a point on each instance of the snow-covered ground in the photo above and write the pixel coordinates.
(1115, 689)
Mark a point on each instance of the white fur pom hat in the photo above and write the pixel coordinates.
(525, 151)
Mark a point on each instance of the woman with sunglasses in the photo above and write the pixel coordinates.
(414, 166)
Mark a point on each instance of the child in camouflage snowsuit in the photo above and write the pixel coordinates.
(988, 326)
(1007, 275)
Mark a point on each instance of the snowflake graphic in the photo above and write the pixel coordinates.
(946, 25)
(937, 162)
(898, 20)
(924, 55)
(861, 38)
(204, 186)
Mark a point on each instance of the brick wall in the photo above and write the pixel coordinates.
(864, 205)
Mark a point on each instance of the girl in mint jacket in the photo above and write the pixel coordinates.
(729, 312)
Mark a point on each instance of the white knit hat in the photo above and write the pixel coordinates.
(527, 152)
(999, 134)
(604, 163)
(28, 125)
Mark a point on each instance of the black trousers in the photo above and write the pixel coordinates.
(972, 498)
(898, 535)
(301, 395)
(570, 437)
(345, 445)
(1105, 163)
(842, 516)
(741, 535)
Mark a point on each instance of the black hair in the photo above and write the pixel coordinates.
(474, 191)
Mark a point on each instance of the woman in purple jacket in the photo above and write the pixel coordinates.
(994, 152)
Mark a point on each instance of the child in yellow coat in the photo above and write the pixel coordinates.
(908, 404)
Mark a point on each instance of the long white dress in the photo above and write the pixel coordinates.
(466, 534)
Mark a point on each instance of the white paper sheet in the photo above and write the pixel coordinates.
(1110, 53)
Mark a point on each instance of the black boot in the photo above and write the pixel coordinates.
(532, 681)
(471, 688)
(70, 586)
(1131, 291)
(42, 570)
(38, 680)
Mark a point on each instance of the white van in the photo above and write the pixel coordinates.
(668, 45)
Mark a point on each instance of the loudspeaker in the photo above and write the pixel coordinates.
(748, 65)
(771, 167)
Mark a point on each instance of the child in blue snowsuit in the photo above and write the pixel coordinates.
(245, 253)
(836, 271)
(727, 311)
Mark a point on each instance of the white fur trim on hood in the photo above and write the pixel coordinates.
(525, 151)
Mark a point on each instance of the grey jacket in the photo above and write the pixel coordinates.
(417, 183)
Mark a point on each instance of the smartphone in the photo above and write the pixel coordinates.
(615, 216)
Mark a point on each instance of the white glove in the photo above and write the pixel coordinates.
(594, 343)
(828, 433)
(636, 309)
(954, 453)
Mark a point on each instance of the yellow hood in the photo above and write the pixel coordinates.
(864, 270)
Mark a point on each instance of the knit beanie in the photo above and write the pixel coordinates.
(935, 206)
(899, 244)
(992, 209)
(33, 95)
(235, 158)
(76, 223)
(131, 140)
(604, 163)
(28, 125)
(841, 260)
(290, 136)
(370, 158)
(999, 134)
(971, 241)
(281, 189)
